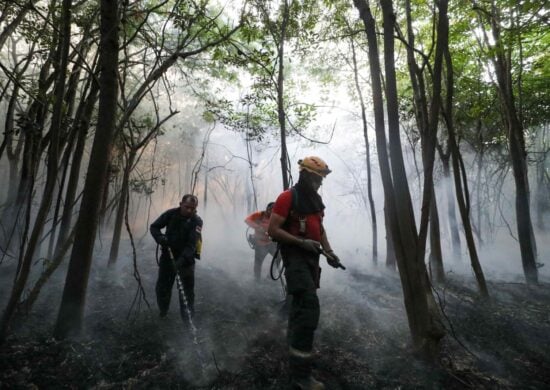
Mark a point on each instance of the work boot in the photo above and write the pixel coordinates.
(308, 383)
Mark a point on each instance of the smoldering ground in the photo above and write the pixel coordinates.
(362, 341)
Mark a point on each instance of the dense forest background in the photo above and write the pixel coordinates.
(433, 116)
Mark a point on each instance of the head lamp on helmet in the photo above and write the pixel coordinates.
(315, 165)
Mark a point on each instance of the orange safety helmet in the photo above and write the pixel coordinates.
(315, 165)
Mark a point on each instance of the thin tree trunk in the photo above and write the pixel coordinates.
(121, 208)
(391, 261)
(516, 141)
(479, 207)
(543, 184)
(280, 96)
(461, 193)
(367, 148)
(83, 126)
(451, 210)
(436, 255)
(252, 205)
(53, 153)
(26, 305)
(70, 133)
(10, 28)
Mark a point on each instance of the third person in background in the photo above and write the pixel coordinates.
(259, 221)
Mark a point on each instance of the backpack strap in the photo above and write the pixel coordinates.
(294, 198)
(293, 204)
(292, 213)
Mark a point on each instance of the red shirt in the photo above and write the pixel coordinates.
(259, 218)
(282, 207)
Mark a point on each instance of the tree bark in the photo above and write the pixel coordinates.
(121, 207)
(436, 255)
(71, 311)
(280, 96)
(423, 322)
(451, 210)
(518, 156)
(501, 59)
(83, 125)
(391, 261)
(461, 193)
(367, 149)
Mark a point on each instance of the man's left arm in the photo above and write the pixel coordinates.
(193, 239)
(332, 259)
(324, 240)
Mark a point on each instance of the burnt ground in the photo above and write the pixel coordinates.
(362, 341)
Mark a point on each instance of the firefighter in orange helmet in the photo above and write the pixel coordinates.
(297, 224)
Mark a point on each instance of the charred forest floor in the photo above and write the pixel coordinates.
(362, 341)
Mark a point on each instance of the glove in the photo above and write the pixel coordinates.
(310, 245)
(333, 260)
(162, 240)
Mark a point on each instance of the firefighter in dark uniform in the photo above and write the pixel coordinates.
(297, 224)
(183, 237)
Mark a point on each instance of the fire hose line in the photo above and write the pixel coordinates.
(276, 270)
(194, 330)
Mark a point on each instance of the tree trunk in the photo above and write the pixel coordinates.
(31, 126)
(367, 148)
(479, 207)
(391, 261)
(51, 174)
(451, 210)
(10, 28)
(543, 185)
(121, 208)
(518, 154)
(71, 311)
(427, 122)
(423, 322)
(83, 125)
(280, 96)
(436, 256)
(27, 304)
(12, 154)
(458, 174)
(426, 329)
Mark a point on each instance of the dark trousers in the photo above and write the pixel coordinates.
(260, 252)
(165, 283)
(302, 276)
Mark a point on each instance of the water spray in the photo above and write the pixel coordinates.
(187, 310)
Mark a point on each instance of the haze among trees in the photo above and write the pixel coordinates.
(435, 113)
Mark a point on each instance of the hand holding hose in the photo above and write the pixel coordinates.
(310, 245)
(332, 259)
